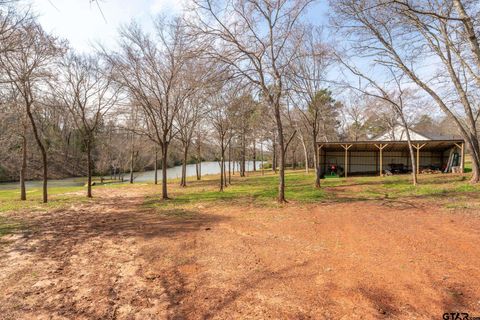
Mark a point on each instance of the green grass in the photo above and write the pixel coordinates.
(9, 199)
(58, 197)
(251, 190)
(258, 190)
(398, 187)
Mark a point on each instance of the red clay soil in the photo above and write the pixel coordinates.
(363, 260)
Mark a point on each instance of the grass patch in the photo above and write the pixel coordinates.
(58, 197)
(10, 199)
(254, 189)
(258, 190)
(429, 186)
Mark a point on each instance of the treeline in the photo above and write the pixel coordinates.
(172, 95)
(232, 80)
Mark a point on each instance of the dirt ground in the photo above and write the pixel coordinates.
(117, 259)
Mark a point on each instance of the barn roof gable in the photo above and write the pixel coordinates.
(399, 134)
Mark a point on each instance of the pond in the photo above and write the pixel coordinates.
(208, 167)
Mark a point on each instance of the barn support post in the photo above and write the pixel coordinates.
(380, 147)
(418, 146)
(346, 147)
(462, 151)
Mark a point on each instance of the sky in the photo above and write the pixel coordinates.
(82, 24)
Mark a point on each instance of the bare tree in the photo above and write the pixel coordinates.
(297, 120)
(307, 79)
(186, 123)
(10, 21)
(199, 134)
(220, 116)
(14, 125)
(255, 38)
(26, 68)
(86, 89)
(436, 30)
(396, 97)
(155, 72)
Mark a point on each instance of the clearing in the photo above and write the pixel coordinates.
(362, 248)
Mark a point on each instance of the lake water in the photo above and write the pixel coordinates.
(208, 167)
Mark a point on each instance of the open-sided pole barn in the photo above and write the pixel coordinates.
(379, 157)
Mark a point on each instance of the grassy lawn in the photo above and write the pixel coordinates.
(259, 190)
(58, 197)
(254, 189)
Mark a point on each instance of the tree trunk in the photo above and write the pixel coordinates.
(242, 156)
(198, 166)
(23, 170)
(305, 152)
(281, 145)
(315, 160)
(221, 169)
(45, 175)
(164, 171)
(261, 156)
(294, 162)
(89, 169)
(475, 172)
(43, 152)
(410, 149)
(156, 166)
(274, 155)
(230, 163)
(254, 156)
(183, 180)
(132, 158)
(225, 173)
(474, 149)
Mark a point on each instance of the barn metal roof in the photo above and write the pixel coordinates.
(392, 145)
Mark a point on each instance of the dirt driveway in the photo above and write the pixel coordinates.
(117, 259)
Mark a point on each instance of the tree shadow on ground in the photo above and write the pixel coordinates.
(55, 238)
(59, 230)
(208, 302)
(383, 302)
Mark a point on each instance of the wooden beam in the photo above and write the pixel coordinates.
(380, 147)
(462, 169)
(462, 160)
(418, 147)
(346, 147)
